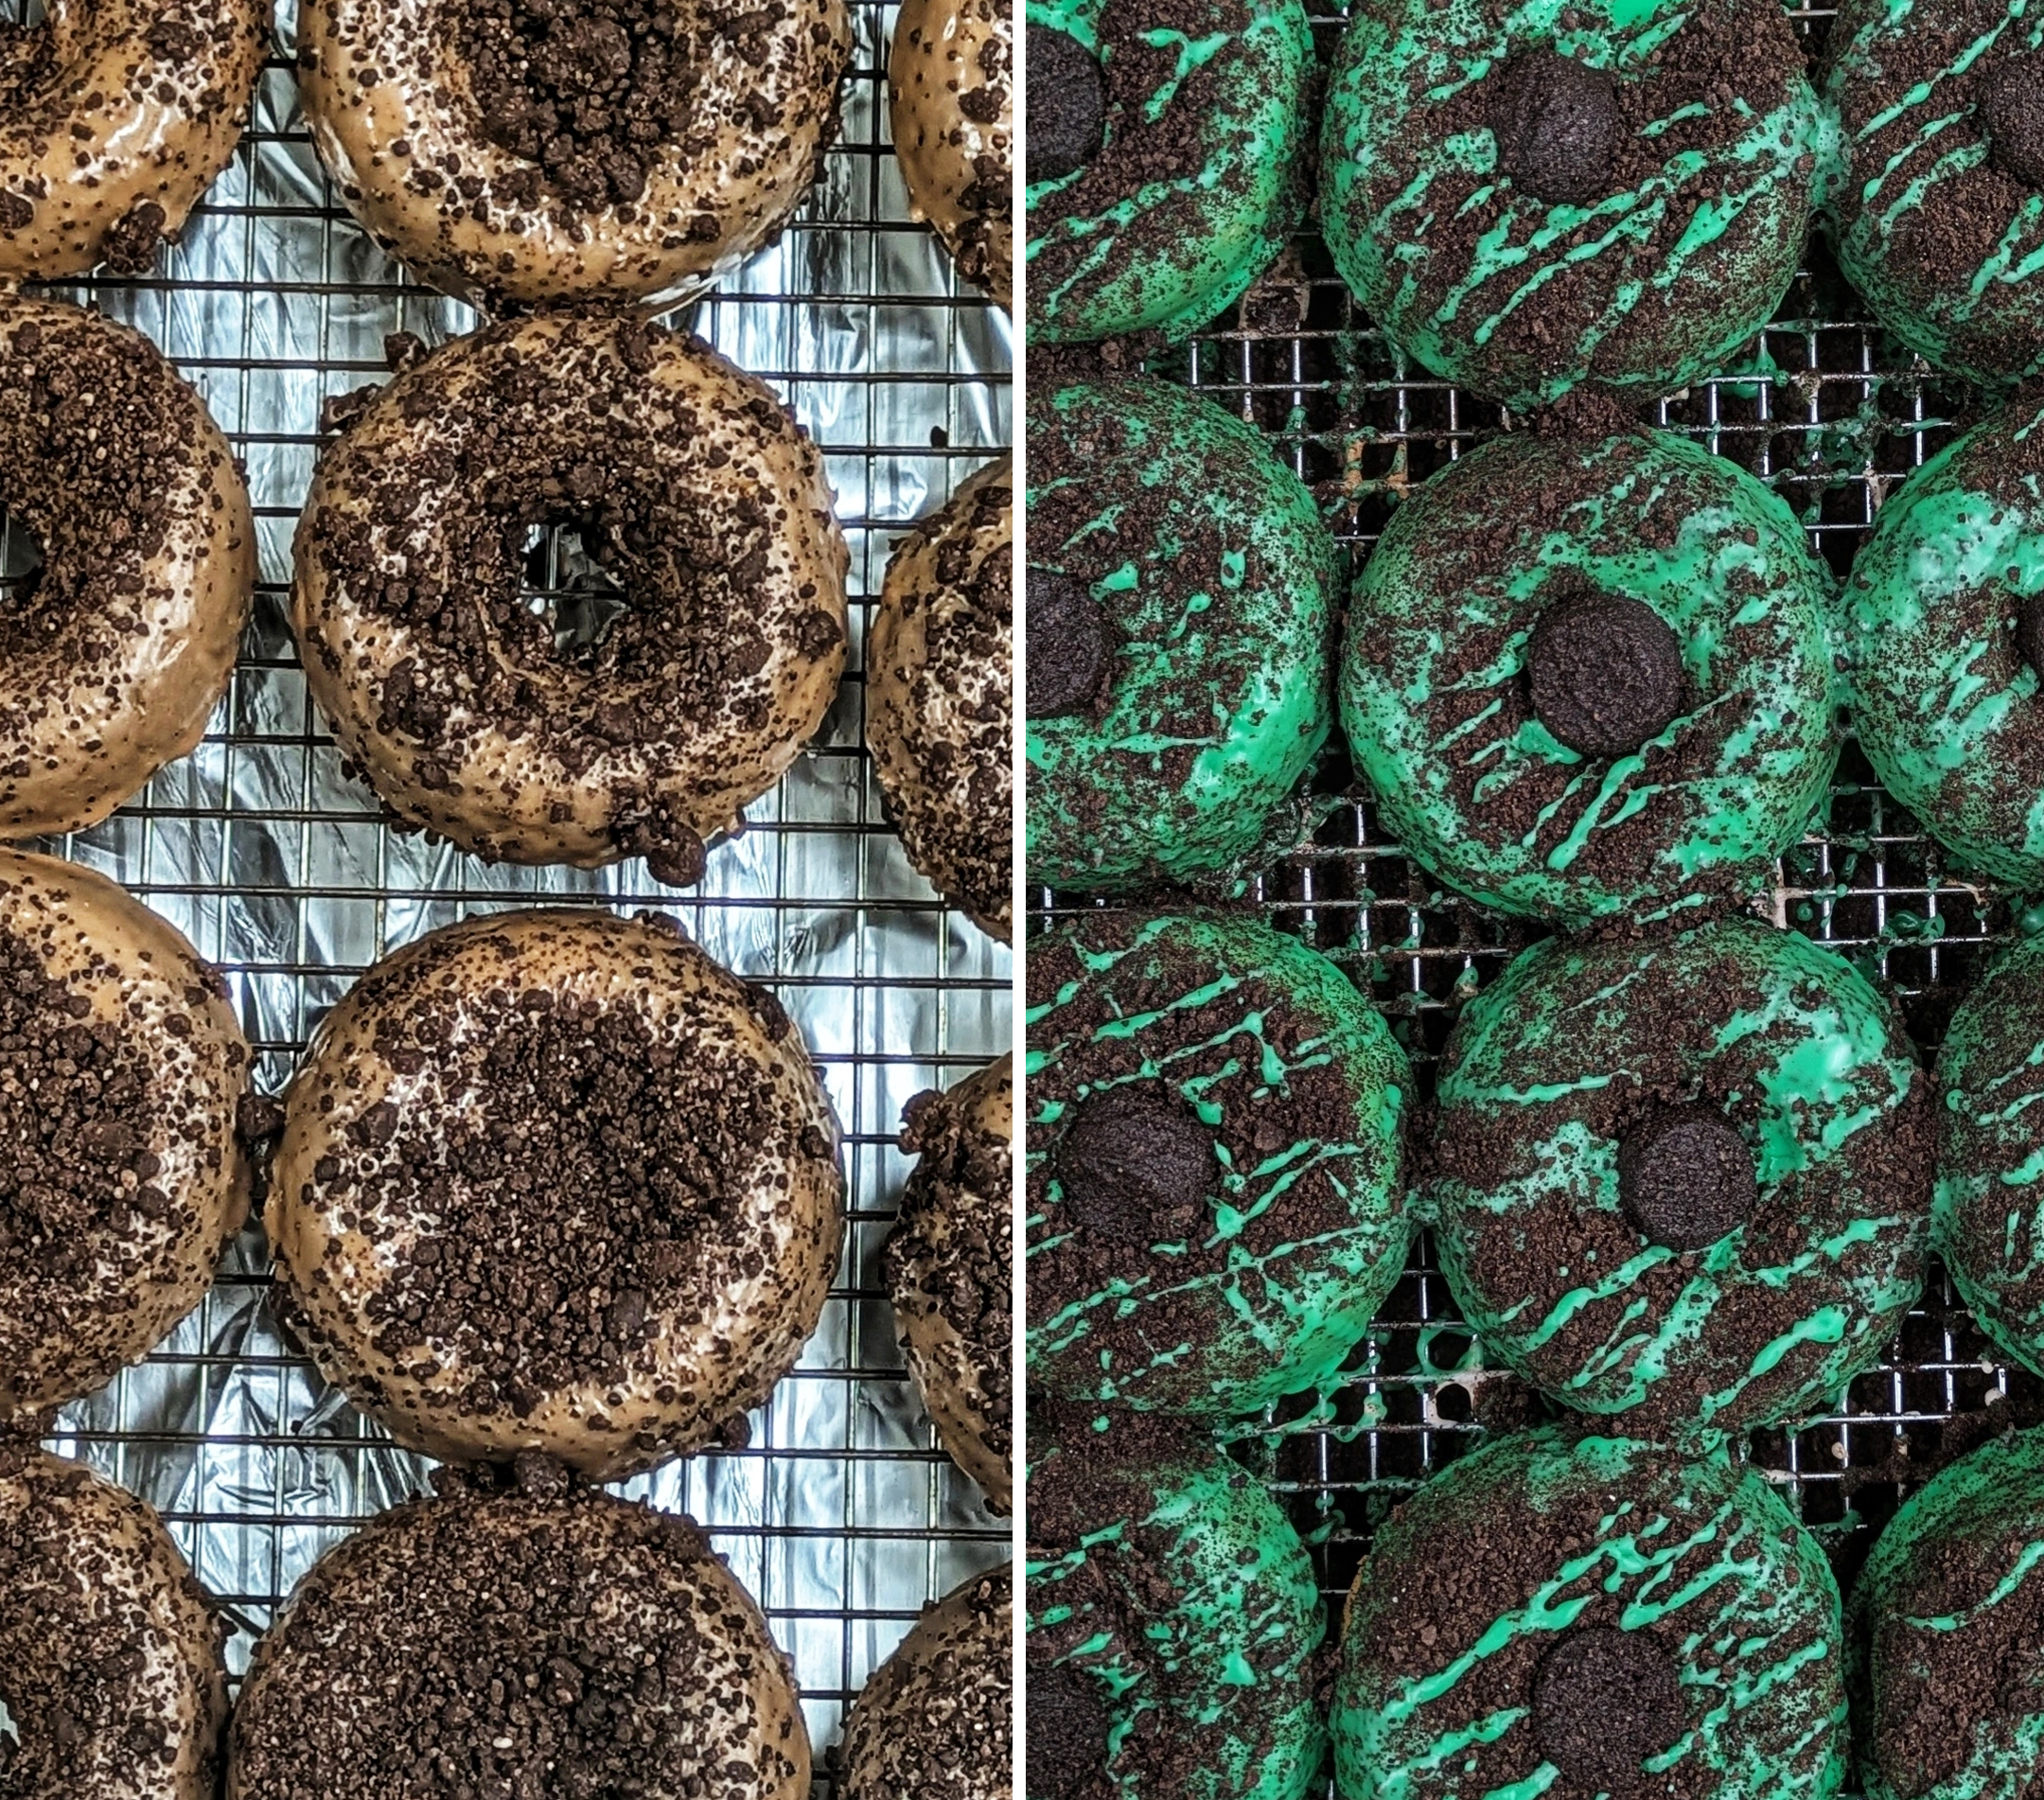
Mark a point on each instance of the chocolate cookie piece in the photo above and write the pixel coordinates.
(1558, 127)
(1686, 1177)
(1067, 104)
(1068, 646)
(1605, 673)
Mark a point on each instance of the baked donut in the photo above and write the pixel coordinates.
(950, 1267)
(118, 116)
(119, 650)
(951, 99)
(548, 1641)
(555, 1181)
(522, 152)
(480, 719)
(121, 1176)
(110, 1656)
(940, 705)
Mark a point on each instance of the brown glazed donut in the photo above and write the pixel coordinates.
(691, 487)
(939, 697)
(561, 1645)
(110, 1655)
(951, 89)
(117, 116)
(118, 654)
(555, 1181)
(541, 151)
(121, 1176)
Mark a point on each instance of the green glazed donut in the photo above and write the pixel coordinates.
(1938, 208)
(1945, 621)
(1173, 1618)
(1531, 196)
(1590, 678)
(1589, 1617)
(1684, 1182)
(1166, 159)
(1181, 595)
(1216, 1198)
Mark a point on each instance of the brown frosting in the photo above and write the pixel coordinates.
(950, 81)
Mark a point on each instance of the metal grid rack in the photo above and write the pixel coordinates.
(841, 1517)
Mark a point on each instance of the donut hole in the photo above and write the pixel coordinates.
(563, 584)
(21, 566)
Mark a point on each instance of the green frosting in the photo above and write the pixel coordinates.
(1303, 1089)
(1945, 705)
(1218, 580)
(1439, 720)
(1668, 275)
(1111, 249)
(1533, 1536)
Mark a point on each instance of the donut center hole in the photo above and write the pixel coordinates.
(20, 567)
(1603, 1702)
(1067, 105)
(562, 584)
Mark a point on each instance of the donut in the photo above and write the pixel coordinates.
(1685, 1183)
(524, 737)
(123, 643)
(1173, 1621)
(1933, 208)
(118, 116)
(940, 712)
(555, 1181)
(1166, 160)
(934, 1721)
(1944, 640)
(949, 1268)
(1533, 199)
(1181, 596)
(529, 152)
(1216, 1197)
(110, 1672)
(121, 1070)
(548, 1640)
(1590, 677)
(1585, 1616)
(951, 110)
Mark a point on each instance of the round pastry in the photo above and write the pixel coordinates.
(123, 640)
(950, 91)
(934, 1721)
(1688, 1181)
(1166, 160)
(1173, 1621)
(536, 738)
(1181, 599)
(545, 1642)
(1936, 204)
(1216, 1182)
(1590, 678)
(949, 1271)
(118, 116)
(1588, 1616)
(532, 152)
(1527, 203)
(111, 1676)
(555, 1181)
(121, 1067)
(940, 712)
(1945, 642)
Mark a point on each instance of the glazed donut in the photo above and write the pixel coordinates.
(121, 1068)
(555, 1181)
(686, 479)
(536, 151)
(118, 654)
(110, 1656)
(551, 1641)
(940, 705)
(118, 116)
(951, 99)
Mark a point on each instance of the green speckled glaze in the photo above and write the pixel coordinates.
(1703, 1556)
(1219, 699)
(1254, 1311)
(1679, 272)
(1177, 249)
(1946, 707)
(1435, 704)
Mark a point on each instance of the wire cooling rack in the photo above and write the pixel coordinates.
(841, 1517)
